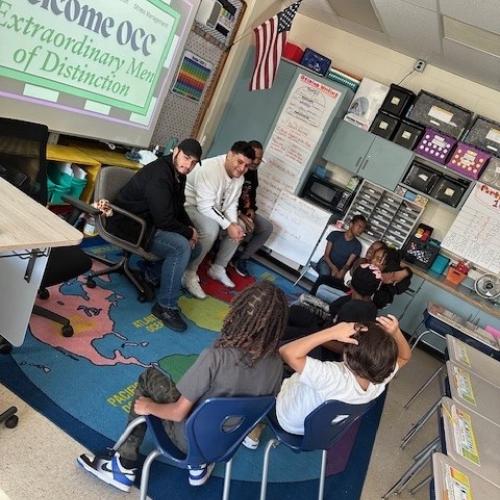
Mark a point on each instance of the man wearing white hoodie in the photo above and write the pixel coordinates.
(212, 194)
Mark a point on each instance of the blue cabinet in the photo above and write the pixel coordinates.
(368, 155)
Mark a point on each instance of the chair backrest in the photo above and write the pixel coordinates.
(109, 182)
(217, 427)
(23, 148)
(328, 422)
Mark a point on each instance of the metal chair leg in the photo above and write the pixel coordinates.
(227, 480)
(126, 433)
(420, 423)
(322, 476)
(414, 469)
(424, 450)
(423, 387)
(420, 485)
(273, 443)
(419, 337)
(145, 473)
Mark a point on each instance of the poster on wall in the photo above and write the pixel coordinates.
(194, 73)
(474, 233)
(294, 139)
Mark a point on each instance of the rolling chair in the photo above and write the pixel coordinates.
(23, 157)
(323, 427)
(109, 182)
(214, 432)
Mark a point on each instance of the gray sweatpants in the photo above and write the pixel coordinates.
(156, 385)
(208, 232)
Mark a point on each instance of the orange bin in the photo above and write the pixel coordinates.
(455, 277)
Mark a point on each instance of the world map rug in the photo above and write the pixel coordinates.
(85, 383)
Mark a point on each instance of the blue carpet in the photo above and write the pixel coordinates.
(84, 385)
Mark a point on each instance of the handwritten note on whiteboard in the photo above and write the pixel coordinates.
(294, 139)
(475, 233)
(297, 227)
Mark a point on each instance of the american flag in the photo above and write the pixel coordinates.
(270, 38)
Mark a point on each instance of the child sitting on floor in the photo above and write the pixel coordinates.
(372, 355)
(243, 361)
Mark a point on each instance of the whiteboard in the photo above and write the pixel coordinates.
(475, 233)
(298, 225)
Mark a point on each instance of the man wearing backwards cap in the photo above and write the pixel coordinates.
(156, 194)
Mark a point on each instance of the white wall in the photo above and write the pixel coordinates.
(362, 58)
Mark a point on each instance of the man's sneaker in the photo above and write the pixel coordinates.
(241, 267)
(252, 439)
(191, 282)
(218, 273)
(170, 316)
(311, 300)
(109, 470)
(200, 476)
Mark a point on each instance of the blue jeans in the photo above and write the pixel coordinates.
(176, 252)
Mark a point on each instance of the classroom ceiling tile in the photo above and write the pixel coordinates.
(482, 13)
(320, 10)
(411, 28)
(357, 11)
(426, 4)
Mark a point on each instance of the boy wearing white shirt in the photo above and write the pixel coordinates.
(372, 356)
(212, 195)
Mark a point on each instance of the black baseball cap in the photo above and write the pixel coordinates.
(191, 147)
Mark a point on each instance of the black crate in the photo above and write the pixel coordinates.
(437, 113)
(397, 101)
(408, 134)
(485, 134)
(384, 125)
(421, 177)
(449, 191)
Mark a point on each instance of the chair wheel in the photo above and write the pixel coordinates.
(67, 331)
(12, 422)
(43, 294)
(91, 283)
(142, 298)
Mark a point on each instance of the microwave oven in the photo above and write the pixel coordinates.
(327, 195)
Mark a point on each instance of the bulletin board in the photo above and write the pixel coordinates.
(179, 115)
(474, 235)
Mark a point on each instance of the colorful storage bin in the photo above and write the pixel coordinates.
(435, 146)
(468, 160)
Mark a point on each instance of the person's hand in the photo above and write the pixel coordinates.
(194, 237)
(142, 406)
(389, 323)
(343, 332)
(235, 232)
(334, 271)
(103, 206)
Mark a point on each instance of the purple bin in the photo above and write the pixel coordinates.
(468, 160)
(435, 145)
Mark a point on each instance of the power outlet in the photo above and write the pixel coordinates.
(420, 65)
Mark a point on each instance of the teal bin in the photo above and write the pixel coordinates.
(58, 184)
(77, 187)
(440, 264)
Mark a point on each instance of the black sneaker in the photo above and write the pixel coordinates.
(241, 267)
(170, 316)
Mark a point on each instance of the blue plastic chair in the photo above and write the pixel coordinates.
(214, 432)
(323, 427)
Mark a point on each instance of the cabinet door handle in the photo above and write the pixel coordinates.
(358, 161)
(363, 165)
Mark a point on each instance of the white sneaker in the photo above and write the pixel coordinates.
(218, 273)
(198, 477)
(191, 282)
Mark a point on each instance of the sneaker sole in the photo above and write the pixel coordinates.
(179, 329)
(83, 461)
(204, 479)
(252, 445)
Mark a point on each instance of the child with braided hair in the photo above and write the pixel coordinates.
(244, 360)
